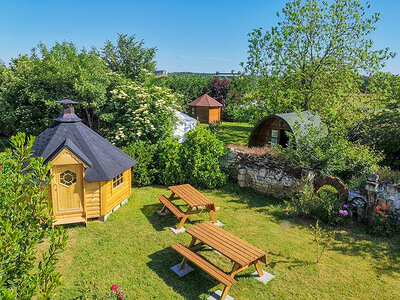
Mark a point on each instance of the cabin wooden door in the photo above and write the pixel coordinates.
(214, 115)
(68, 190)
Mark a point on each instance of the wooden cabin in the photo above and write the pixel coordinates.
(273, 129)
(205, 109)
(91, 177)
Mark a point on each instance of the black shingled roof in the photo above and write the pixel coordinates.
(104, 160)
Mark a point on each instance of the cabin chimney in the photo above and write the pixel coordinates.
(68, 112)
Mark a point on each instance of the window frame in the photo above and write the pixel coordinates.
(274, 138)
(118, 180)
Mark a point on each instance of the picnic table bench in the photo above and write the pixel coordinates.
(197, 202)
(240, 252)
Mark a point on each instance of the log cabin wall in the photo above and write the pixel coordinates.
(111, 197)
(202, 114)
(92, 199)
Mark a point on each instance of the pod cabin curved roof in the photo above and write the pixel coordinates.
(104, 161)
(302, 120)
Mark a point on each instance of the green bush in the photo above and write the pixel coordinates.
(324, 207)
(200, 158)
(383, 226)
(381, 131)
(195, 161)
(331, 153)
(144, 172)
(25, 222)
(170, 163)
(387, 174)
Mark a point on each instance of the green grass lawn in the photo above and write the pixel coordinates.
(234, 133)
(131, 249)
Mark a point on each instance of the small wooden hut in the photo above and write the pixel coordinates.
(205, 109)
(272, 129)
(91, 177)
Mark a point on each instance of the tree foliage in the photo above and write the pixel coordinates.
(25, 222)
(128, 56)
(189, 86)
(330, 152)
(385, 89)
(315, 53)
(381, 131)
(220, 89)
(34, 83)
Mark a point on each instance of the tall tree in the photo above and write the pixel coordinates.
(386, 88)
(128, 56)
(189, 86)
(318, 49)
(220, 89)
(33, 84)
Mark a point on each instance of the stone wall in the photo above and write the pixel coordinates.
(264, 173)
(383, 194)
(268, 174)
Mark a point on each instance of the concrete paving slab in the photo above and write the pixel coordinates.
(187, 269)
(267, 277)
(217, 295)
(176, 231)
(219, 223)
(166, 212)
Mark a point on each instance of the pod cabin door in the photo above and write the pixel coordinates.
(68, 190)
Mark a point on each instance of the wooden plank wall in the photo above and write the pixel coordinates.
(92, 199)
(214, 115)
(113, 197)
(202, 114)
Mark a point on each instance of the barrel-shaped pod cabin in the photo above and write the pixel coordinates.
(273, 129)
(205, 109)
(91, 177)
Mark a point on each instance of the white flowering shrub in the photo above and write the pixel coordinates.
(138, 111)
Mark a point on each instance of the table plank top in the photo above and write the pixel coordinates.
(227, 244)
(191, 196)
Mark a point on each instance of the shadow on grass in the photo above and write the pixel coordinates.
(261, 203)
(190, 286)
(160, 222)
(386, 253)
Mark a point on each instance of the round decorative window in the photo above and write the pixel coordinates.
(67, 178)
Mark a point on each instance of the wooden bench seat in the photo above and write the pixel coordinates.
(207, 267)
(171, 207)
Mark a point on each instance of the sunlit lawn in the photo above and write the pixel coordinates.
(131, 249)
(234, 133)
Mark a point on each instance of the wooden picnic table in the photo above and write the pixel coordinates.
(197, 202)
(240, 252)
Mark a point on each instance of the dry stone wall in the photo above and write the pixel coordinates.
(270, 175)
(266, 173)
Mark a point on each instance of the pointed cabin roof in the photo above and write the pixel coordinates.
(104, 161)
(205, 101)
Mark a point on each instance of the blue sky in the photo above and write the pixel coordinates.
(197, 36)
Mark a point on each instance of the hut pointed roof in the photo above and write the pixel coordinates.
(205, 101)
(104, 161)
